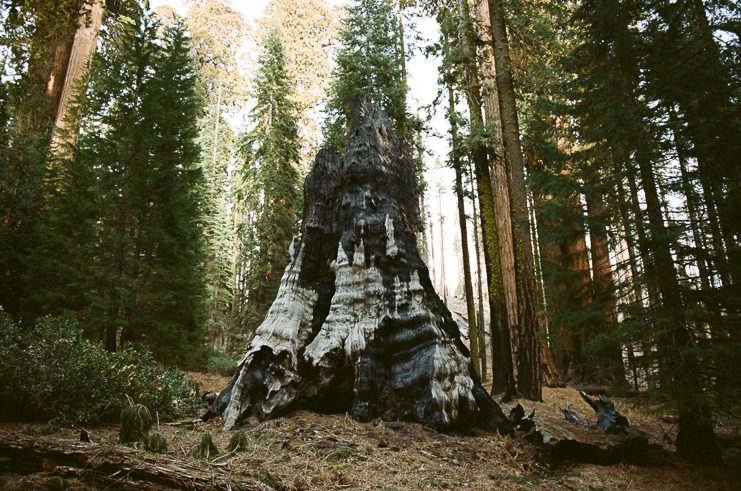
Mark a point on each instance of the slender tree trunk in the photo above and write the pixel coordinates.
(502, 366)
(473, 332)
(481, 319)
(528, 372)
(443, 278)
(548, 370)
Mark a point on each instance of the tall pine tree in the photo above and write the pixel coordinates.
(369, 64)
(124, 214)
(269, 192)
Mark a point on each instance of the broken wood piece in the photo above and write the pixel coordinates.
(520, 420)
(609, 419)
(582, 443)
(573, 417)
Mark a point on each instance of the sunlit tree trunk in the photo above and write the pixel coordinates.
(528, 371)
(81, 49)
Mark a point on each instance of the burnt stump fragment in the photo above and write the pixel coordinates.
(356, 325)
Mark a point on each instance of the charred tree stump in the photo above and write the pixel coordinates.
(356, 325)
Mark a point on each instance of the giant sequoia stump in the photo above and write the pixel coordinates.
(356, 325)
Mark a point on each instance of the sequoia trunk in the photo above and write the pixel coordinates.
(356, 325)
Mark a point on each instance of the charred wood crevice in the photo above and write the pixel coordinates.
(356, 325)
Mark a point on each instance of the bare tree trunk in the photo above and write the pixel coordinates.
(481, 319)
(473, 333)
(609, 367)
(502, 364)
(81, 49)
(528, 372)
(499, 181)
(443, 279)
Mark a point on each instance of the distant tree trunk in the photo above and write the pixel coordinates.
(502, 365)
(443, 278)
(528, 372)
(609, 367)
(422, 240)
(481, 319)
(550, 374)
(81, 49)
(473, 332)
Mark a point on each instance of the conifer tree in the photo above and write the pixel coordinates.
(270, 188)
(125, 215)
(309, 30)
(369, 64)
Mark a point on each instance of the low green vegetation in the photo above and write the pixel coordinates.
(50, 370)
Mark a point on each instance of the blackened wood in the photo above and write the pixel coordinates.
(609, 419)
(356, 325)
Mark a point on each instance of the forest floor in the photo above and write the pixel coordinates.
(308, 451)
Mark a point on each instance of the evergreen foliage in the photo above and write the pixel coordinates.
(136, 421)
(238, 442)
(123, 247)
(370, 65)
(207, 448)
(51, 371)
(270, 190)
(157, 443)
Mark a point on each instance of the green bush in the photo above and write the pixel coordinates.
(52, 371)
(157, 443)
(223, 363)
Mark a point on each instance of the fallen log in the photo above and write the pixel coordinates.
(110, 467)
(580, 443)
(610, 442)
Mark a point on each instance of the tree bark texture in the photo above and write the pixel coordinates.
(528, 367)
(609, 364)
(356, 325)
(83, 45)
(499, 173)
(502, 363)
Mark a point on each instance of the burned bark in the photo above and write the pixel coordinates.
(356, 325)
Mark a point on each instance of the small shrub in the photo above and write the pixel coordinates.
(157, 443)
(238, 442)
(223, 363)
(136, 421)
(207, 448)
(52, 371)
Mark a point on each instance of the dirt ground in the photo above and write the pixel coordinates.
(307, 451)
